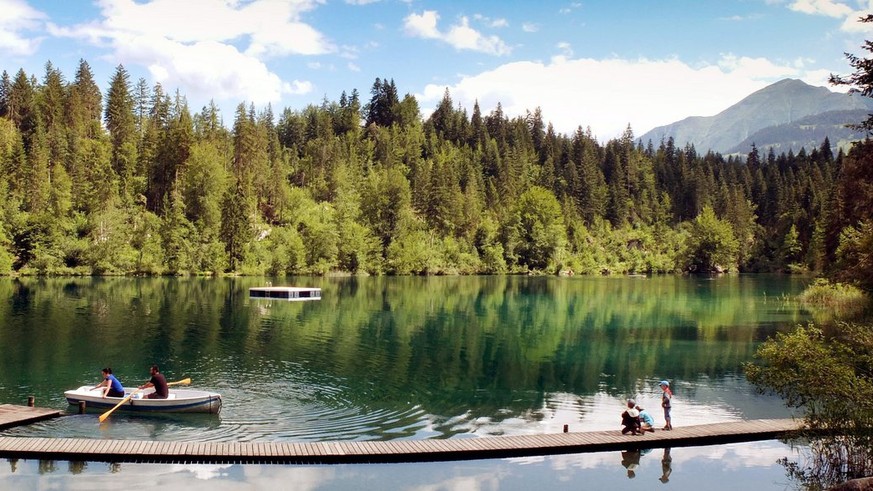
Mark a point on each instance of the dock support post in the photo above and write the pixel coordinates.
(81, 407)
(30, 401)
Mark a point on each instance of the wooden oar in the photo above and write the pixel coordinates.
(107, 413)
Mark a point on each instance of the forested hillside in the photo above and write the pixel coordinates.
(134, 182)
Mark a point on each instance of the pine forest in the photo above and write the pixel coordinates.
(134, 182)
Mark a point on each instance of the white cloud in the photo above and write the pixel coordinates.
(353, 67)
(423, 26)
(829, 8)
(565, 48)
(195, 67)
(530, 27)
(296, 87)
(17, 16)
(460, 36)
(609, 94)
(205, 57)
(492, 23)
(755, 68)
(838, 10)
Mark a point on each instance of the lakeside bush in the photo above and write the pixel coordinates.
(822, 293)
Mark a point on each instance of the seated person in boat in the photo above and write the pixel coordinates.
(111, 386)
(158, 382)
(630, 419)
(647, 422)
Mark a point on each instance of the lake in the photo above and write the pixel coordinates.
(398, 358)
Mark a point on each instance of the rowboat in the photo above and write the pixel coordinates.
(178, 401)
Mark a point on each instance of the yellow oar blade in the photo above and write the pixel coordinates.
(186, 381)
(107, 413)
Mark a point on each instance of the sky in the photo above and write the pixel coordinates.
(599, 64)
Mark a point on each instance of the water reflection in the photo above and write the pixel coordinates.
(630, 460)
(389, 358)
(666, 466)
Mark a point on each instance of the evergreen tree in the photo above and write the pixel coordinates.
(85, 103)
(861, 81)
(21, 107)
(121, 122)
(236, 226)
(5, 89)
(382, 108)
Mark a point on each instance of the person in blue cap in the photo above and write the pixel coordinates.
(666, 398)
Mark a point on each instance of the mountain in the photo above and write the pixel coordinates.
(786, 114)
(808, 133)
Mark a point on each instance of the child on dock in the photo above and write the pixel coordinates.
(666, 403)
(630, 419)
(647, 422)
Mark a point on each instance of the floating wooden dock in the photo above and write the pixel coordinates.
(11, 415)
(291, 293)
(337, 452)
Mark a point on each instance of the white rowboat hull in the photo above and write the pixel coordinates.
(179, 401)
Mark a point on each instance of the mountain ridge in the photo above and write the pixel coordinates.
(784, 105)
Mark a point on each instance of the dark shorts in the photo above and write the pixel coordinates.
(114, 393)
(155, 395)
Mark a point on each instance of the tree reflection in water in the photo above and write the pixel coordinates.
(831, 461)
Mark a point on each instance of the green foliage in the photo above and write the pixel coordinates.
(855, 255)
(177, 237)
(412, 253)
(539, 225)
(824, 293)
(828, 375)
(459, 194)
(110, 250)
(358, 250)
(711, 244)
(283, 252)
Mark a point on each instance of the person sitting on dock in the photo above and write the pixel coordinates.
(647, 422)
(159, 383)
(630, 419)
(111, 386)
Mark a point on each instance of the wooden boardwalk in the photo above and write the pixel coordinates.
(11, 415)
(336, 452)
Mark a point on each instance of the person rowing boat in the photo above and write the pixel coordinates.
(162, 391)
(111, 386)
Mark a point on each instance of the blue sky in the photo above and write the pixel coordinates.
(598, 64)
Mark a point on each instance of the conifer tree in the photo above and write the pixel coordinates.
(861, 81)
(121, 123)
(85, 103)
(21, 107)
(5, 88)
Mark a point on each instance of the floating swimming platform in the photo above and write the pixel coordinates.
(285, 293)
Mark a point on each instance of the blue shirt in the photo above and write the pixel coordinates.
(114, 384)
(647, 418)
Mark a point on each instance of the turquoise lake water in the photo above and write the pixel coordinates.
(401, 358)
